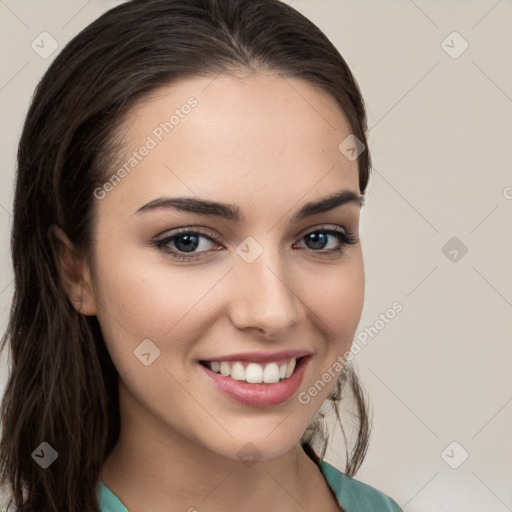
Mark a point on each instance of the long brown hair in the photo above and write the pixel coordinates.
(62, 387)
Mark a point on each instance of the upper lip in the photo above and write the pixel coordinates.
(261, 357)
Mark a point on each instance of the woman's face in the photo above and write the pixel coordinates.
(263, 287)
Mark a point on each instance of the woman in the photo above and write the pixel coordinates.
(188, 270)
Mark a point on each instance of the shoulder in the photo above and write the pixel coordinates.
(356, 496)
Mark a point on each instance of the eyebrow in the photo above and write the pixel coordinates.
(233, 212)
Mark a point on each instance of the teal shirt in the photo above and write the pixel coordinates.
(352, 495)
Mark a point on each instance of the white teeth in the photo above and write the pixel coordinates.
(238, 371)
(225, 369)
(290, 367)
(271, 373)
(254, 373)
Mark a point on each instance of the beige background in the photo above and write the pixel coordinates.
(441, 134)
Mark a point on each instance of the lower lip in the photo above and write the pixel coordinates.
(259, 395)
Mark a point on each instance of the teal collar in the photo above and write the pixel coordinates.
(351, 494)
(109, 502)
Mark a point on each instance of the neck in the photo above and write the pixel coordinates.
(153, 467)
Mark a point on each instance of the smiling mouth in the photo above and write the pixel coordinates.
(255, 373)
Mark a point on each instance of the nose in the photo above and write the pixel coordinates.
(263, 298)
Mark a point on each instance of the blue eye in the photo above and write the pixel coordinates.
(183, 245)
(184, 241)
(321, 238)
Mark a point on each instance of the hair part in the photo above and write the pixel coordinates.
(62, 387)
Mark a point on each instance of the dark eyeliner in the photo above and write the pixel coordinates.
(344, 237)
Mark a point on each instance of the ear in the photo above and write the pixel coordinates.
(74, 274)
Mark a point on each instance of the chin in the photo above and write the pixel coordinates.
(260, 446)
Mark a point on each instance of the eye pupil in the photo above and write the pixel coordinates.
(319, 240)
(190, 244)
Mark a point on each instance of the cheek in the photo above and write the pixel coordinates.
(139, 301)
(335, 297)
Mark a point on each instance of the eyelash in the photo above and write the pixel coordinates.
(344, 237)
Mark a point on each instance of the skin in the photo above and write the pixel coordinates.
(268, 144)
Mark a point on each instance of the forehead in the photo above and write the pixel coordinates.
(249, 135)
